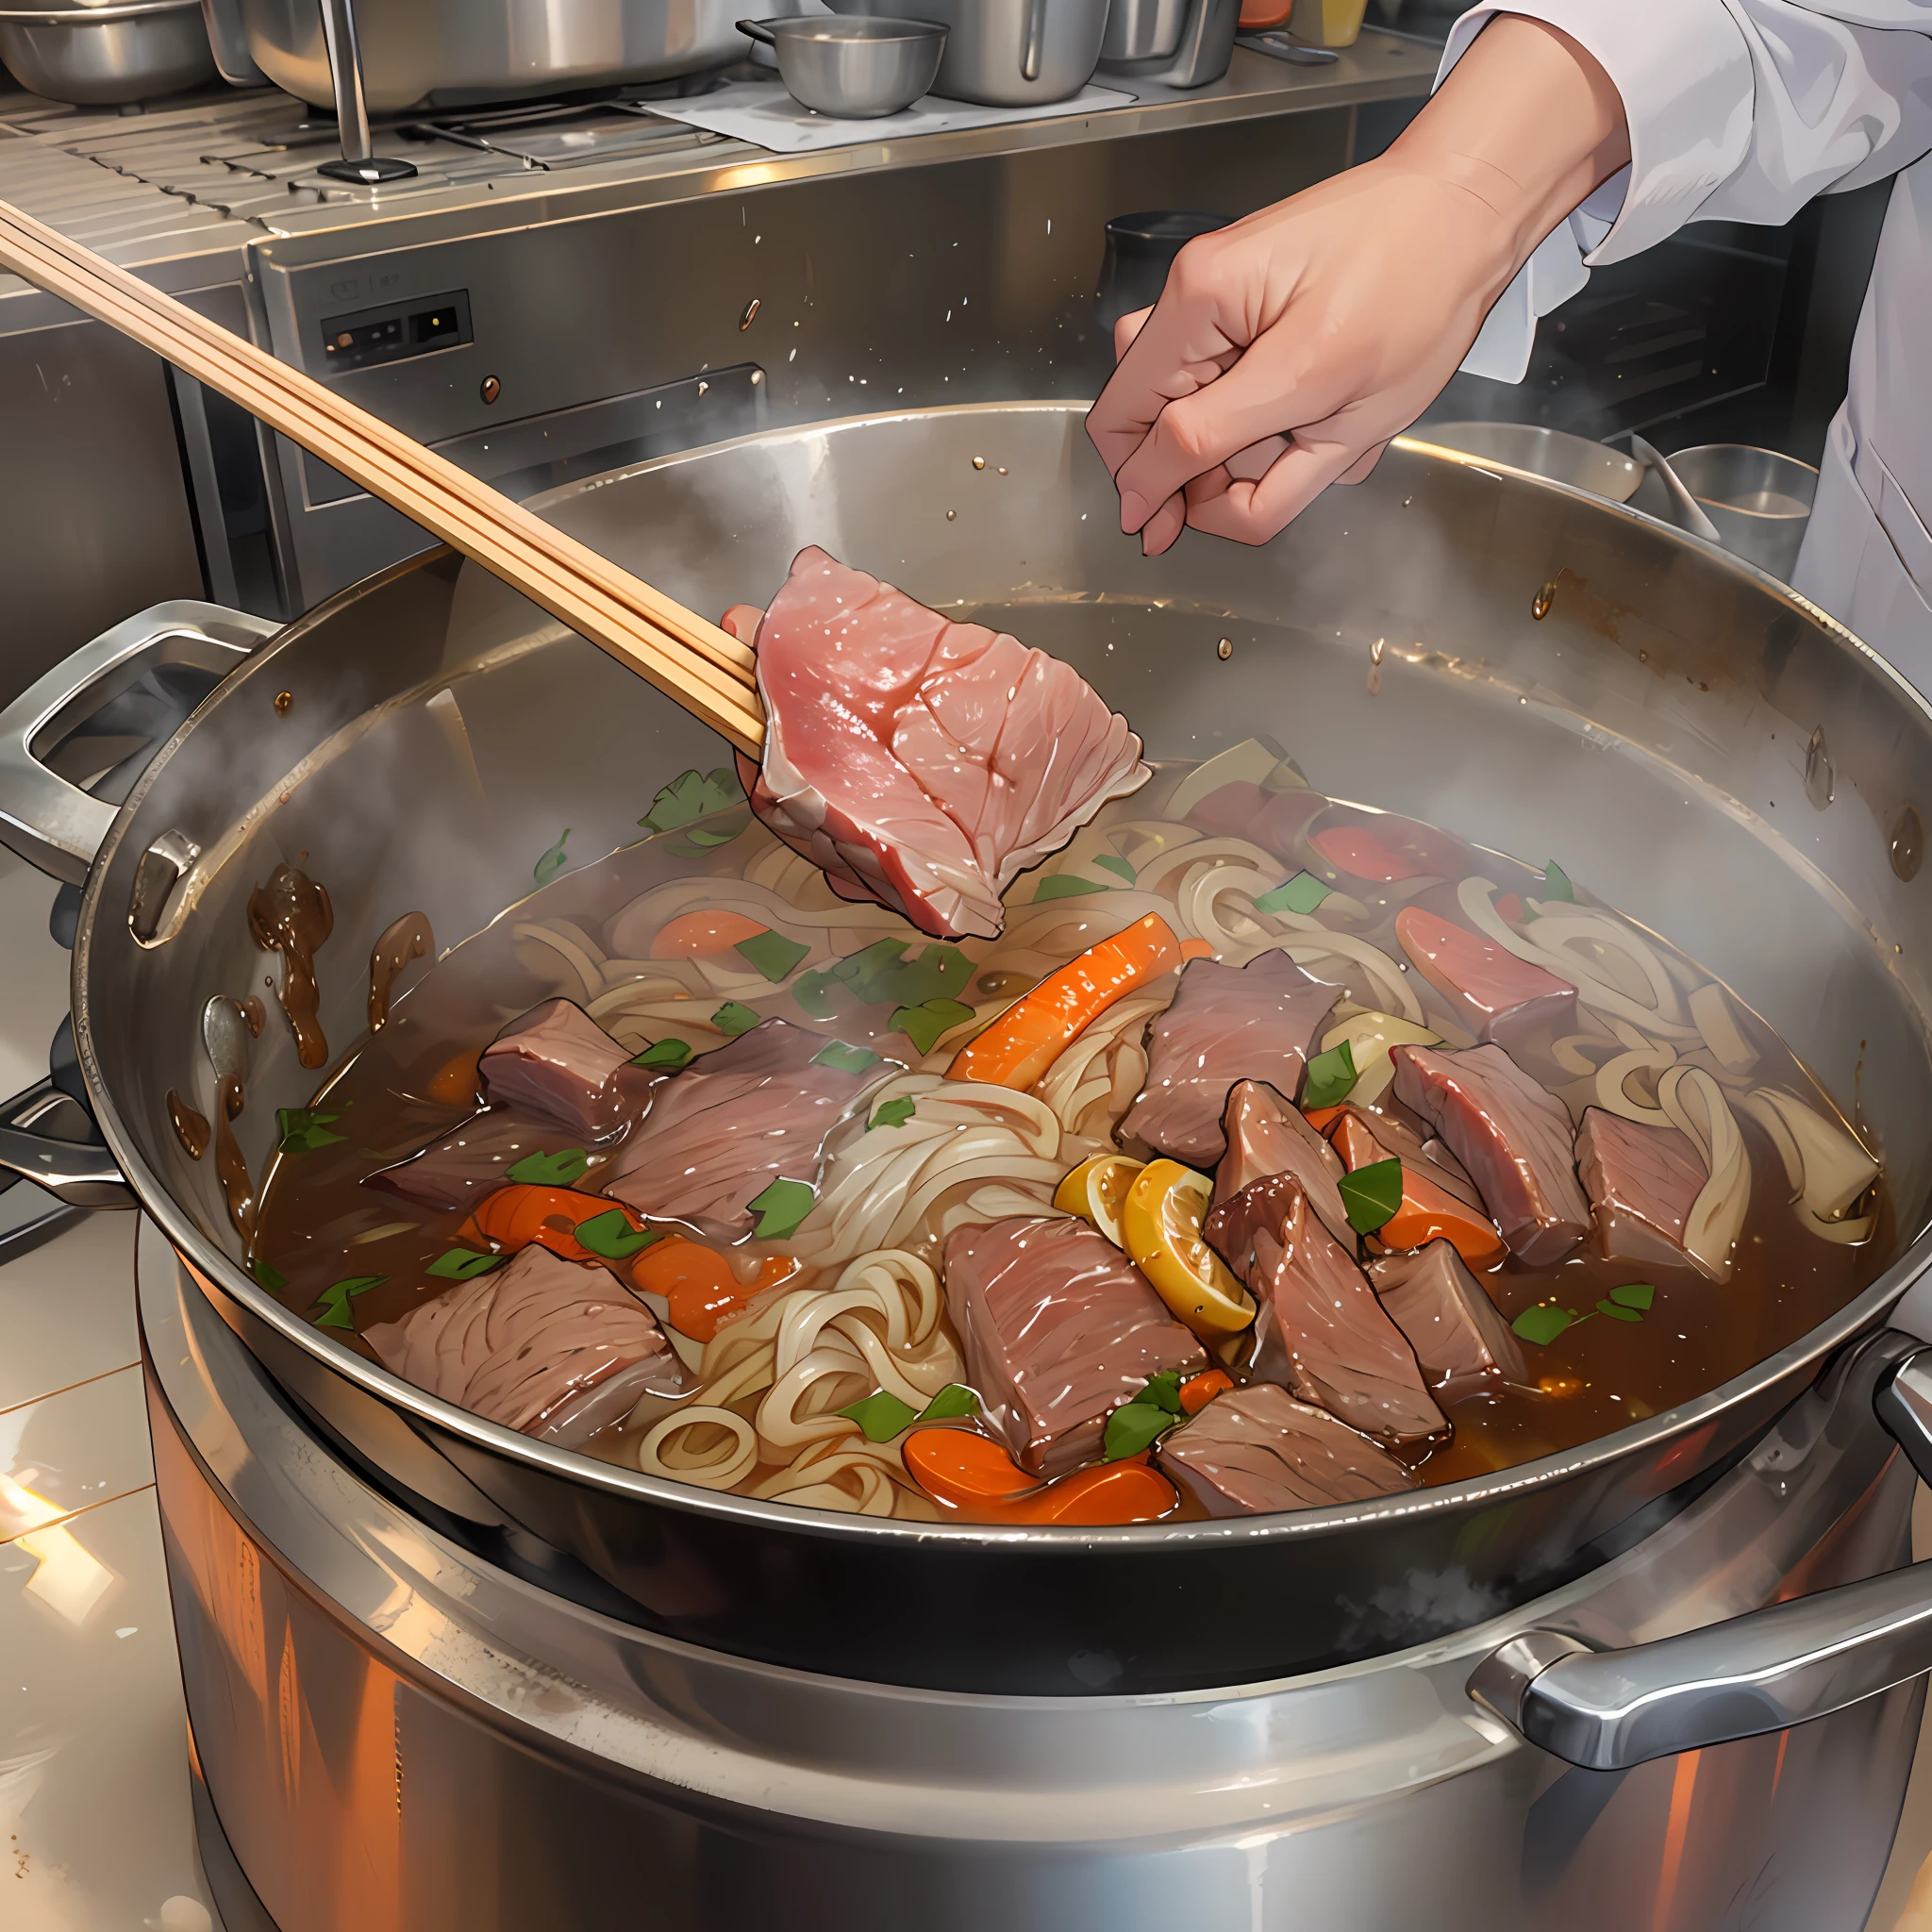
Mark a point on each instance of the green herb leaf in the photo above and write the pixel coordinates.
(1557, 882)
(1542, 1325)
(550, 1169)
(842, 1058)
(881, 1416)
(1617, 1314)
(692, 795)
(955, 1399)
(1302, 895)
(334, 1303)
(1371, 1195)
(1109, 861)
(780, 1208)
(891, 1113)
(701, 839)
(552, 862)
(271, 1278)
(303, 1130)
(771, 954)
(1132, 1428)
(663, 1055)
(734, 1018)
(1064, 885)
(1330, 1076)
(463, 1264)
(1634, 1294)
(1163, 1390)
(612, 1235)
(814, 991)
(923, 1025)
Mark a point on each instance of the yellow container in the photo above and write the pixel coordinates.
(1327, 23)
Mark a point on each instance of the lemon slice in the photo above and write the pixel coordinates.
(1162, 1219)
(1095, 1190)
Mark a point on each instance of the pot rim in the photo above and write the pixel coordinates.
(92, 16)
(1865, 1310)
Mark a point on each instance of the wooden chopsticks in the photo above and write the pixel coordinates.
(690, 660)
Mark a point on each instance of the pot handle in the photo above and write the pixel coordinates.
(50, 821)
(81, 1171)
(757, 30)
(1031, 53)
(1609, 1710)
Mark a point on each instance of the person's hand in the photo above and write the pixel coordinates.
(1286, 350)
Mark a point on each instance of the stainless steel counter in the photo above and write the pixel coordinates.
(597, 270)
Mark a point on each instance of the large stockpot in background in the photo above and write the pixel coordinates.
(417, 51)
(1702, 749)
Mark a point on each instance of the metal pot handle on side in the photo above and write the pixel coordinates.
(57, 828)
(1746, 1675)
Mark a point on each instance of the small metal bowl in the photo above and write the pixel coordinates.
(853, 69)
(103, 56)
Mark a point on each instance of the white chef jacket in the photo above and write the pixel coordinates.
(1742, 110)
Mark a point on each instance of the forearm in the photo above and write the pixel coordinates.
(1527, 124)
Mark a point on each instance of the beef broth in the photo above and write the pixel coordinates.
(369, 1213)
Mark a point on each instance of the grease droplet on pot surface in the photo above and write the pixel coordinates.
(283, 700)
(190, 1128)
(290, 915)
(1224, 649)
(1909, 843)
(408, 938)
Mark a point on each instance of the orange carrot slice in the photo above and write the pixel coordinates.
(1428, 1211)
(698, 1283)
(1199, 1391)
(964, 1468)
(514, 1216)
(976, 1474)
(1321, 1117)
(697, 935)
(1196, 949)
(1032, 1033)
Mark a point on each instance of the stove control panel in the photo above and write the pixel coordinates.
(417, 326)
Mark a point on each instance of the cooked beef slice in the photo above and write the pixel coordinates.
(921, 762)
(737, 1119)
(1266, 1135)
(1059, 1328)
(1257, 1022)
(1457, 1332)
(1489, 991)
(1513, 1135)
(557, 1064)
(540, 1344)
(1256, 1450)
(1642, 1182)
(1318, 1330)
(471, 1160)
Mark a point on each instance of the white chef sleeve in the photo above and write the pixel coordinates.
(1739, 110)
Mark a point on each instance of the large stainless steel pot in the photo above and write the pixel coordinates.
(1715, 756)
(417, 51)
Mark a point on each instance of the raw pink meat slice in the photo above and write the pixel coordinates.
(1511, 1135)
(470, 1161)
(1060, 1329)
(1319, 1329)
(917, 761)
(544, 1346)
(1642, 1182)
(1457, 1332)
(1256, 1450)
